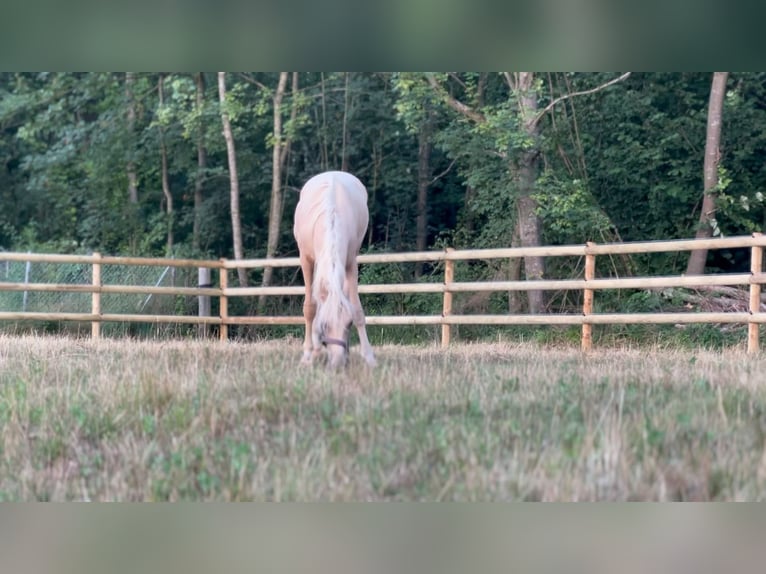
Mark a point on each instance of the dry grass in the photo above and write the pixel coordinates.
(126, 420)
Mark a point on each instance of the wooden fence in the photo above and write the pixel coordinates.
(589, 284)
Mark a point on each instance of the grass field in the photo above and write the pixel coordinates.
(186, 420)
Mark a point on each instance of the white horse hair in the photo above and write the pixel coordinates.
(330, 224)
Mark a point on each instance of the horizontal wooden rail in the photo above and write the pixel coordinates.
(554, 319)
(260, 263)
(623, 283)
(117, 289)
(511, 252)
(108, 317)
(374, 289)
(133, 318)
(589, 284)
(608, 249)
(558, 284)
(677, 245)
(33, 316)
(264, 320)
(107, 260)
(159, 262)
(456, 255)
(255, 291)
(411, 257)
(557, 319)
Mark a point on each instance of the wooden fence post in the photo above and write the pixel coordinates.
(756, 267)
(449, 277)
(223, 283)
(95, 306)
(587, 298)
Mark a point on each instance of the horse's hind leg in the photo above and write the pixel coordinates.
(309, 311)
(352, 284)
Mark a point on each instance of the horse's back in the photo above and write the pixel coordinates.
(349, 200)
(348, 183)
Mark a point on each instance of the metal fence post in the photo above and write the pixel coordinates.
(204, 280)
(27, 271)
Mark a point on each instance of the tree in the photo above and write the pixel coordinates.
(236, 221)
(130, 81)
(424, 182)
(199, 82)
(525, 170)
(277, 161)
(521, 160)
(696, 265)
(164, 163)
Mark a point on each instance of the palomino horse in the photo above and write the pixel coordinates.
(330, 222)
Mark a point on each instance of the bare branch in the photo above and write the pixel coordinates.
(455, 77)
(480, 89)
(511, 81)
(558, 100)
(442, 174)
(454, 103)
(251, 79)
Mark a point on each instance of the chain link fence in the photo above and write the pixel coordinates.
(81, 274)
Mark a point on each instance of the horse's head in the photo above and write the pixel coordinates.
(331, 330)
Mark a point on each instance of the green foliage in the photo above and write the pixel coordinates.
(640, 149)
(569, 211)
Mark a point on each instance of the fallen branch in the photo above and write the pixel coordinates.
(714, 298)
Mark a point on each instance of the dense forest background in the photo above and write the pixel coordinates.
(210, 164)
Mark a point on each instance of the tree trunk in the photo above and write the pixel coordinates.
(514, 274)
(344, 148)
(377, 162)
(288, 137)
(469, 222)
(199, 80)
(424, 182)
(696, 265)
(130, 79)
(525, 171)
(164, 161)
(275, 213)
(323, 131)
(203, 274)
(236, 222)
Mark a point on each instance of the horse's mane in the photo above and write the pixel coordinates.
(330, 269)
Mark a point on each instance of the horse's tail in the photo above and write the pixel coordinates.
(330, 271)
